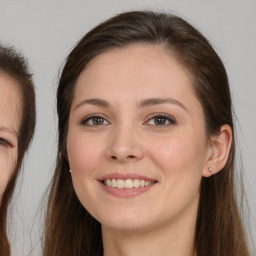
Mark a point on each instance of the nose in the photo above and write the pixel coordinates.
(125, 145)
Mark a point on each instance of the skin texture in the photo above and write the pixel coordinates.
(128, 139)
(9, 126)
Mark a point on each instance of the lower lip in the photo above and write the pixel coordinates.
(126, 192)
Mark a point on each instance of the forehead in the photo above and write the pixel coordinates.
(139, 68)
(10, 103)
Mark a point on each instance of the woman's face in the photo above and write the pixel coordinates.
(9, 125)
(136, 141)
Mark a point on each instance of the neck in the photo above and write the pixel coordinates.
(169, 240)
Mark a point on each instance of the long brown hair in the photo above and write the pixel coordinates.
(69, 228)
(15, 66)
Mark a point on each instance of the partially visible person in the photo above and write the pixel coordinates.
(17, 124)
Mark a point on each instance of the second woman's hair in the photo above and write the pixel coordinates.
(14, 65)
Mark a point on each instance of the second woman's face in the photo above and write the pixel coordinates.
(9, 125)
(136, 139)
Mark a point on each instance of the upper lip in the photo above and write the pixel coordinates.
(125, 176)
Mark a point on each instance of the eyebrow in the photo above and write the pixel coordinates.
(96, 102)
(5, 129)
(156, 101)
(142, 103)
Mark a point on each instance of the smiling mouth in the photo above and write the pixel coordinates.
(127, 183)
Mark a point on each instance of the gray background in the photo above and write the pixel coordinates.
(46, 31)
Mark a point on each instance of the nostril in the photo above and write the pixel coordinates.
(113, 157)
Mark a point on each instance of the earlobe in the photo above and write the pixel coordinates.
(220, 147)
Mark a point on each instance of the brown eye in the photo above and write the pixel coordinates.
(161, 120)
(4, 142)
(97, 120)
(94, 121)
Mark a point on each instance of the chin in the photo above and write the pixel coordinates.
(127, 227)
(126, 223)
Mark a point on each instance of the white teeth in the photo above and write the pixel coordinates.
(129, 183)
(142, 183)
(136, 183)
(120, 183)
(108, 183)
(114, 184)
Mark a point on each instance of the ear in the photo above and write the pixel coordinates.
(219, 149)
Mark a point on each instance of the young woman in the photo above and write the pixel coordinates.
(17, 122)
(146, 145)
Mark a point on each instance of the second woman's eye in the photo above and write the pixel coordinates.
(94, 121)
(161, 120)
(4, 142)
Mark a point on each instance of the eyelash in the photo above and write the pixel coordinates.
(163, 116)
(4, 142)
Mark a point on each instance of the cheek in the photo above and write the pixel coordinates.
(177, 155)
(180, 161)
(7, 167)
(83, 153)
